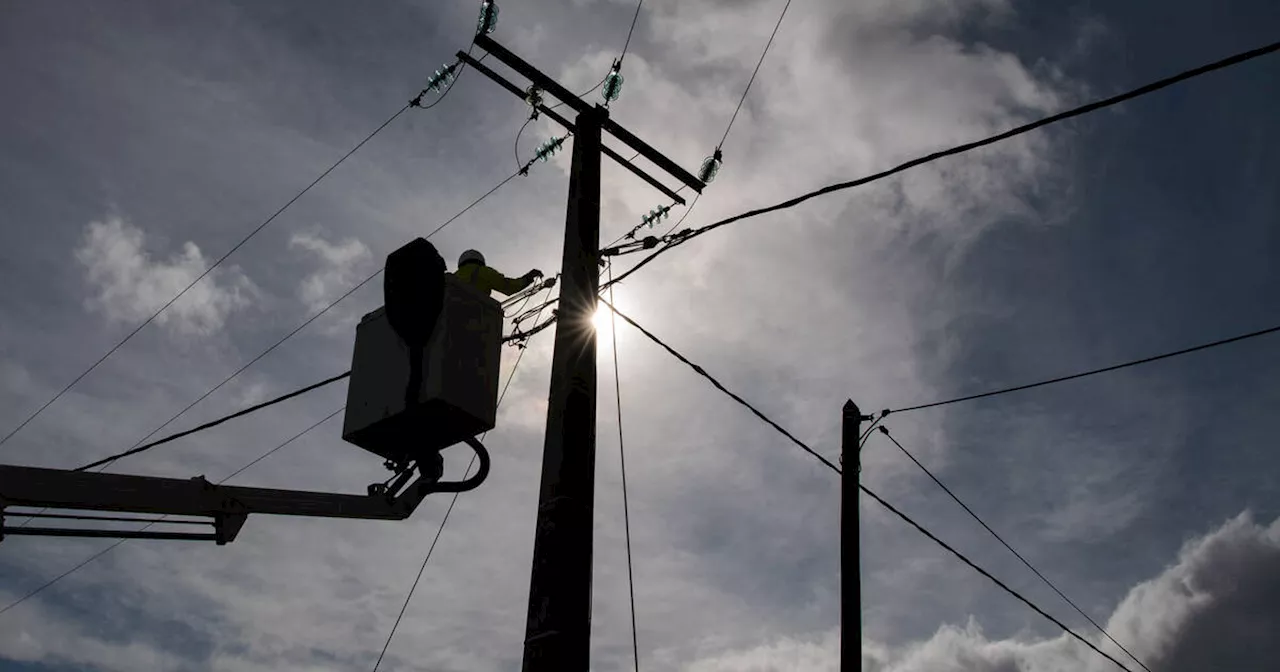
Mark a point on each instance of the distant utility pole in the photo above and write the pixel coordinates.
(850, 566)
(558, 630)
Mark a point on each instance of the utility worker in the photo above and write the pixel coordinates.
(473, 271)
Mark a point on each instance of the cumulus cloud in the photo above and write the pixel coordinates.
(130, 284)
(1217, 607)
(340, 268)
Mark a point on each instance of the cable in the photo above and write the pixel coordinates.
(106, 550)
(940, 484)
(584, 93)
(755, 72)
(906, 518)
(214, 423)
(1114, 367)
(517, 143)
(206, 272)
(684, 216)
(445, 519)
(988, 575)
(625, 46)
(722, 388)
(138, 447)
(960, 149)
(622, 459)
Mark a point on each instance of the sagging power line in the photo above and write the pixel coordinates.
(961, 149)
(885, 431)
(873, 495)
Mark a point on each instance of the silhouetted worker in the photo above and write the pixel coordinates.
(473, 271)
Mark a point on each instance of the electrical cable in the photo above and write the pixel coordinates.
(517, 143)
(295, 330)
(885, 431)
(904, 517)
(431, 549)
(622, 460)
(755, 72)
(206, 272)
(960, 149)
(214, 423)
(988, 575)
(702, 372)
(627, 44)
(1093, 372)
(684, 216)
(106, 550)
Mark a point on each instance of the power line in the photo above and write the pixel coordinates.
(906, 518)
(702, 372)
(139, 445)
(622, 460)
(214, 423)
(1093, 372)
(960, 149)
(630, 30)
(755, 72)
(885, 430)
(988, 575)
(206, 272)
(108, 549)
(445, 519)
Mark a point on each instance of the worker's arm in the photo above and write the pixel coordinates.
(504, 285)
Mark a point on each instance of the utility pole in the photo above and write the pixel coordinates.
(558, 629)
(850, 565)
(559, 625)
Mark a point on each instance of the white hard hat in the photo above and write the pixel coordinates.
(470, 256)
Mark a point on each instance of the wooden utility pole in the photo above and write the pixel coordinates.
(558, 629)
(558, 632)
(850, 567)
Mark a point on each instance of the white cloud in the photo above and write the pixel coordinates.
(1218, 607)
(129, 285)
(342, 265)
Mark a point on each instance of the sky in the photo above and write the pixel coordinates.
(141, 141)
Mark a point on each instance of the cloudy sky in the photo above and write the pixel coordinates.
(140, 141)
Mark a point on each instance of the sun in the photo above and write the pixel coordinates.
(600, 319)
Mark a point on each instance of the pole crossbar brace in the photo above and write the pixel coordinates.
(568, 98)
(568, 125)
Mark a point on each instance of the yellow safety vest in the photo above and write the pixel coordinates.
(489, 280)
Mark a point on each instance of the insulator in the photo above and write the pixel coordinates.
(548, 148)
(613, 83)
(533, 97)
(442, 77)
(655, 215)
(710, 166)
(488, 17)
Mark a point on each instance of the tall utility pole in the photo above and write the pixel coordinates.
(558, 630)
(850, 566)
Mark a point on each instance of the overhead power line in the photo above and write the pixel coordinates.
(1092, 372)
(702, 372)
(206, 272)
(874, 496)
(300, 327)
(214, 423)
(960, 149)
(626, 45)
(985, 573)
(431, 549)
(622, 460)
(885, 431)
(116, 544)
(754, 72)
